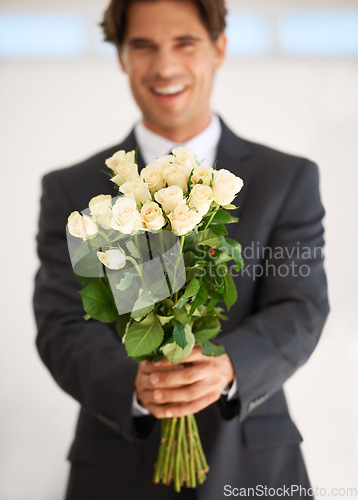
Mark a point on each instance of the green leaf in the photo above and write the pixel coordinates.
(122, 322)
(190, 241)
(206, 327)
(126, 281)
(219, 229)
(230, 207)
(190, 290)
(189, 259)
(179, 334)
(230, 292)
(143, 305)
(176, 354)
(209, 349)
(220, 257)
(214, 294)
(222, 217)
(200, 299)
(168, 306)
(98, 301)
(164, 320)
(133, 249)
(84, 280)
(233, 249)
(208, 237)
(138, 359)
(181, 315)
(142, 338)
(89, 265)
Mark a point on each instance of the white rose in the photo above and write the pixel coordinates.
(166, 160)
(170, 198)
(186, 158)
(202, 173)
(183, 220)
(225, 186)
(123, 166)
(137, 190)
(152, 216)
(200, 198)
(81, 226)
(125, 216)
(153, 176)
(113, 259)
(175, 175)
(101, 210)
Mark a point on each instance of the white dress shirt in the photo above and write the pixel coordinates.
(205, 144)
(153, 146)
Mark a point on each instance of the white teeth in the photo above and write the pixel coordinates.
(169, 90)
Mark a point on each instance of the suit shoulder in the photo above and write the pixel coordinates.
(269, 157)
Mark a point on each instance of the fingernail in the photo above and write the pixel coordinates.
(154, 378)
(168, 414)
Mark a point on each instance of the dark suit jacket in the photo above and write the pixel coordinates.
(272, 330)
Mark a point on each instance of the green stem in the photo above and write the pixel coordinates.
(178, 458)
(199, 472)
(159, 466)
(168, 450)
(186, 466)
(135, 264)
(199, 446)
(211, 218)
(182, 239)
(192, 478)
(171, 469)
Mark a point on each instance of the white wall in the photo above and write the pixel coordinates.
(56, 113)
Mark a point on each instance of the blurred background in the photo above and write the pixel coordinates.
(290, 81)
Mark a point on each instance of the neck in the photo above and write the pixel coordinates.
(179, 134)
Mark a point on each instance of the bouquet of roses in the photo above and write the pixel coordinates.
(155, 261)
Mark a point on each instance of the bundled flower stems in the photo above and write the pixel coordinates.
(181, 458)
(157, 262)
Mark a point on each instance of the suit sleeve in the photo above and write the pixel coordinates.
(291, 303)
(86, 358)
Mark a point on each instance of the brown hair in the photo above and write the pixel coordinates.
(212, 14)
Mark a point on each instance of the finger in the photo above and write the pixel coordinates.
(180, 376)
(162, 365)
(184, 394)
(182, 409)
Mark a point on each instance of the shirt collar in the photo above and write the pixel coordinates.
(153, 146)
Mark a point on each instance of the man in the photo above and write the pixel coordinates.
(170, 50)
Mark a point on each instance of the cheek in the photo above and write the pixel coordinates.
(204, 76)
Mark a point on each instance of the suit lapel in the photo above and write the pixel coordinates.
(129, 144)
(234, 154)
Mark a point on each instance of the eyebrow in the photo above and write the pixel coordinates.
(184, 38)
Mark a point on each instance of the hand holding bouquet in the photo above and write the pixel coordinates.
(155, 261)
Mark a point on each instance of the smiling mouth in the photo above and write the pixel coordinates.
(170, 90)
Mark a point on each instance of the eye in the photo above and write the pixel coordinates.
(141, 45)
(186, 45)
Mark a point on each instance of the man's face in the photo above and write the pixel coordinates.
(170, 61)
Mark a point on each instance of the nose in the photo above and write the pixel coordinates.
(165, 63)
